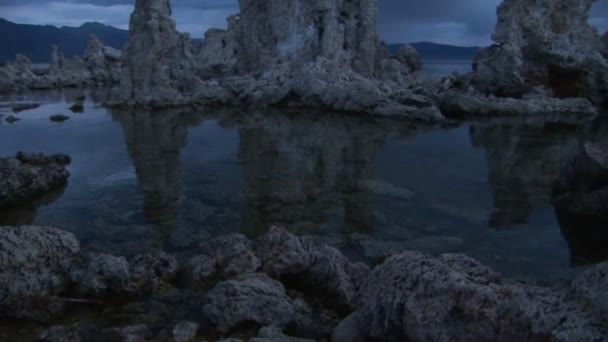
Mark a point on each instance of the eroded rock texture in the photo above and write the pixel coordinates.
(156, 66)
(544, 43)
(34, 263)
(27, 175)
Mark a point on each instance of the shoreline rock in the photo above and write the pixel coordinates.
(409, 296)
(27, 175)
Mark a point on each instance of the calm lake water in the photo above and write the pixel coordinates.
(172, 179)
(445, 67)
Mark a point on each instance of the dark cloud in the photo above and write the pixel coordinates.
(463, 22)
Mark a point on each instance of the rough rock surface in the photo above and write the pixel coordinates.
(35, 262)
(185, 331)
(253, 297)
(454, 298)
(153, 272)
(157, 66)
(545, 43)
(103, 62)
(27, 175)
(320, 269)
(227, 255)
(101, 274)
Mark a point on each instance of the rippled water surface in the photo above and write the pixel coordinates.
(172, 179)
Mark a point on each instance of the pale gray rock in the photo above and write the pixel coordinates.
(544, 42)
(133, 333)
(28, 175)
(98, 275)
(157, 64)
(591, 286)
(252, 298)
(314, 267)
(185, 331)
(420, 298)
(102, 62)
(350, 329)
(35, 262)
(227, 255)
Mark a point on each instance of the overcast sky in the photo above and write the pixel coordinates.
(459, 22)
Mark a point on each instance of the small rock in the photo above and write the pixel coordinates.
(77, 108)
(12, 119)
(185, 331)
(153, 272)
(350, 329)
(133, 333)
(20, 107)
(59, 118)
(275, 334)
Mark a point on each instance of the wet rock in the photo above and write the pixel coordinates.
(462, 103)
(320, 269)
(61, 333)
(548, 43)
(35, 262)
(59, 118)
(28, 175)
(77, 108)
(20, 107)
(420, 298)
(274, 334)
(252, 298)
(227, 255)
(153, 272)
(101, 274)
(185, 331)
(12, 119)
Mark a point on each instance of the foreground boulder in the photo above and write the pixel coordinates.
(27, 175)
(35, 262)
(415, 297)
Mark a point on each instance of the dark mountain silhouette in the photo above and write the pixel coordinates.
(429, 50)
(35, 41)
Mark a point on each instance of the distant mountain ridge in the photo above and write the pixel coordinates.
(35, 41)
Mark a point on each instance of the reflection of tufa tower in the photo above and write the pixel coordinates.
(154, 142)
(302, 171)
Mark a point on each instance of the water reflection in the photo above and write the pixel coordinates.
(25, 213)
(154, 142)
(523, 160)
(305, 170)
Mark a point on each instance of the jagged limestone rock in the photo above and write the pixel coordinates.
(157, 66)
(34, 263)
(545, 43)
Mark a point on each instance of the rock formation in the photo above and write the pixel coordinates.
(26, 176)
(157, 68)
(99, 66)
(544, 51)
(410, 296)
(323, 54)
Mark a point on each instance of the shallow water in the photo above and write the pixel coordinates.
(172, 179)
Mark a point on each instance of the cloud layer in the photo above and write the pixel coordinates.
(463, 22)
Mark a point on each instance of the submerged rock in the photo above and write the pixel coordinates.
(12, 119)
(20, 107)
(28, 175)
(35, 262)
(59, 118)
